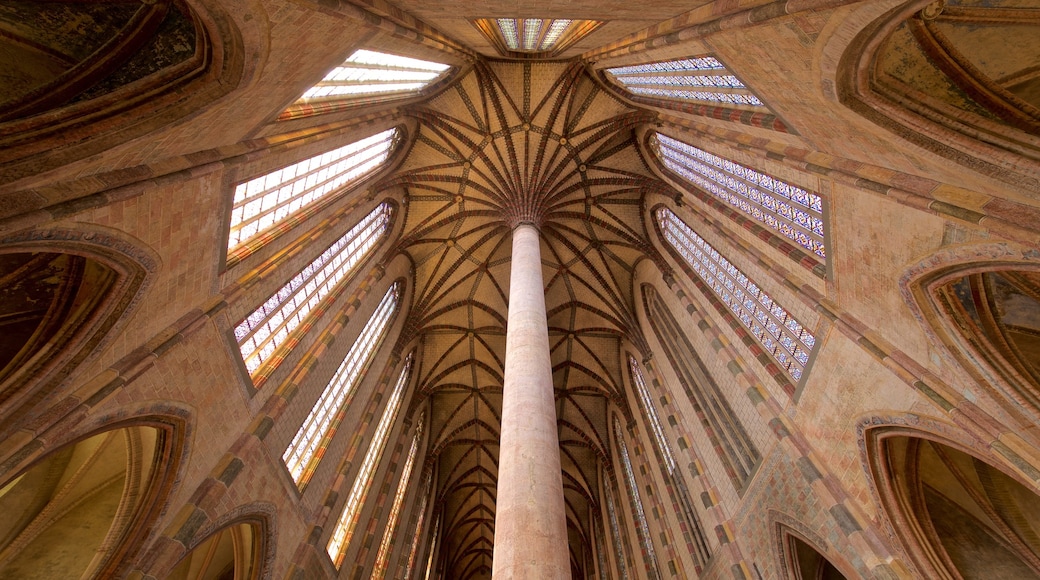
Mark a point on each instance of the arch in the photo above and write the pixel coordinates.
(84, 508)
(955, 77)
(982, 303)
(957, 514)
(802, 553)
(135, 66)
(237, 550)
(61, 294)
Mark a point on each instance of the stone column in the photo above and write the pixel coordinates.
(530, 516)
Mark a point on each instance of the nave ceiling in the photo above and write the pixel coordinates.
(511, 143)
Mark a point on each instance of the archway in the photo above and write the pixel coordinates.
(78, 512)
(231, 553)
(959, 516)
(954, 72)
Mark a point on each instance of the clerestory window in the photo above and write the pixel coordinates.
(789, 210)
(263, 202)
(698, 543)
(301, 456)
(348, 519)
(642, 529)
(701, 79)
(273, 323)
(383, 557)
(367, 77)
(786, 340)
(544, 37)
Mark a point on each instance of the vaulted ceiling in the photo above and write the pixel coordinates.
(509, 143)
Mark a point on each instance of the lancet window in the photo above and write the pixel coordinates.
(383, 557)
(301, 456)
(366, 72)
(615, 530)
(700, 79)
(697, 540)
(642, 528)
(420, 520)
(789, 210)
(265, 201)
(273, 322)
(781, 335)
(348, 519)
(534, 36)
(731, 442)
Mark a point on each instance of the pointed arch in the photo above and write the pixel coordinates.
(957, 78)
(137, 69)
(981, 303)
(62, 292)
(956, 512)
(238, 550)
(96, 497)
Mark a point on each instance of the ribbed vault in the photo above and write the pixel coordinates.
(512, 143)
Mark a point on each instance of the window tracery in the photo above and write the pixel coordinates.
(301, 457)
(273, 322)
(789, 210)
(534, 36)
(347, 522)
(367, 72)
(265, 201)
(787, 341)
(702, 79)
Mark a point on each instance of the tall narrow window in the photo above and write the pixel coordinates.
(433, 545)
(791, 211)
(730, 441)
(702, 79)
(273, 322)
(383, 557)
(783, 337)
(375, 73)
(615, 529)
(534, 36)
(420, 520)
(301, 456)
(697, 539)
(344, 529)
(264, 201)
(642, 529)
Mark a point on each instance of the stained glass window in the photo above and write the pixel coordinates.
(651, 413)
(383, 557)
(534, 35)
(703, 79)
(649, 555)
(698, 541)
(616, 533)
(433, 544)
(375, 73)
(301, 455)
(776, 329)
(273, 322)
(793, 212)
(262, 202)
(420, 521)
(344, 530)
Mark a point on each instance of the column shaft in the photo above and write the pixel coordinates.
(530, 515)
